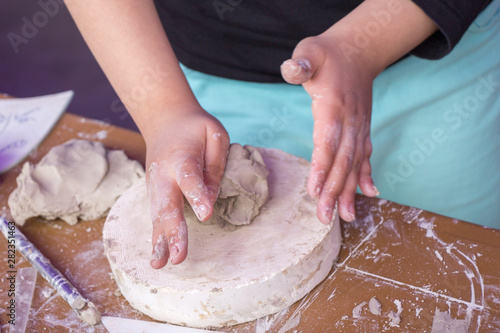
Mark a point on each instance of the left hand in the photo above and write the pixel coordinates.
(340, 85)
(341, 92)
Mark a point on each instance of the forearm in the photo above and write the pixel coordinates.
(379, 32)
(128, 41)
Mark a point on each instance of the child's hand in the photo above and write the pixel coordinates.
(341, 92)
(338, 72)
(186, 157)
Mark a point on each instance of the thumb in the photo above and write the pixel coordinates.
(306, 59)
(296, 71)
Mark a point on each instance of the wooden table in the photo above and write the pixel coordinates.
(403, 256)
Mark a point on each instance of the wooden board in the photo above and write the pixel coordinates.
(393, 252)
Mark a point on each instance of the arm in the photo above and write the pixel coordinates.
(186, 147)
(337, 69)
(128, 41)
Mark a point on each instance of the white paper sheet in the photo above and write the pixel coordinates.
(25, 122)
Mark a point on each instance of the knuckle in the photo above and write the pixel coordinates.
(327, 148)
(331, 189)
(326, 144)
(329, 195)
(346, 159)
(188, 171)
(177, 231)
(320, 160)
(214, 170)
(356, 164)
(356, 161)
(366, 168)
(313, 44)
(169, 213)
(368, 147)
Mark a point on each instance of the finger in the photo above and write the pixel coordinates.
(215, 161)
(169, 228)
(160, 254)
(189, 176)
(365, 174)
(175, 228)
(326, 140)
(346, 200)
(337, 176)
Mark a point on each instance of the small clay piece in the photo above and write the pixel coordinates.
(375, 306)
(444, 323)
(77, 179)
(356, 311)
(244, 188)
(394, 318)
(90, 314)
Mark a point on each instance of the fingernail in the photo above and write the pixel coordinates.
(296, 71)
(328, 214)
(351, 212)
(317, 189)
(174, 253)
(316, 185)
(201, 212)
(305, 64)
(160, 248)
(375, 189)
(213, 192)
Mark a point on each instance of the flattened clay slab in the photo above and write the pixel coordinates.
(229, 276)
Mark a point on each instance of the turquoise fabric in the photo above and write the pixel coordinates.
(435, 124)
(260, 114)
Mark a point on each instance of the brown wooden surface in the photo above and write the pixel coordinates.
(396, 253)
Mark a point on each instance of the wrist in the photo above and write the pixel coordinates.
(154, 118)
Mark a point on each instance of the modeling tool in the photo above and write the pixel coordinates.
(85, 309)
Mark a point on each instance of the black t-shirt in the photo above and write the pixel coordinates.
(249, 39)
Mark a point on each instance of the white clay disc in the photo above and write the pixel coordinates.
(229, 276)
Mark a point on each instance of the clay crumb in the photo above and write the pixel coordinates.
(47, 292)
(90, 314)
(394, 319)
(444, 323)
(356, 312)
(375, 306)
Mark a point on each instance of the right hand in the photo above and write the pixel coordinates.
(186, 157)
